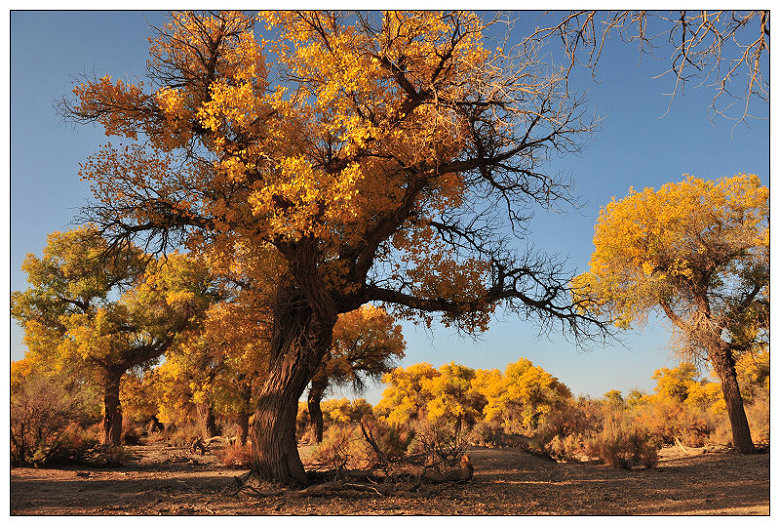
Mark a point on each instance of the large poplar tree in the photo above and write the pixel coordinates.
(382, 157)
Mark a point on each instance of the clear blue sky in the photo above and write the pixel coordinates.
(637, 145)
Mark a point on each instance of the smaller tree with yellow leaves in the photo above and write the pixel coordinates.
(366, 344)
(524, 395)
(698, 251)
(74, 321)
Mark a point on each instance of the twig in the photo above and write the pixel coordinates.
(263, 494)
(680, 445)
(364, 486)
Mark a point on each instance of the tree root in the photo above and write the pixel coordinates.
(330, 487)
(322, 483)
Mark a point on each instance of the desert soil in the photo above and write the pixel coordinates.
(164, 480)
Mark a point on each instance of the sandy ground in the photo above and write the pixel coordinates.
(164, 480)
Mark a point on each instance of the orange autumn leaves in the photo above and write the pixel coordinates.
(261, 131)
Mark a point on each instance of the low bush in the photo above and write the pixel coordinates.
(438, 443)
(388, 443)
(568, 447)
(236, 456)
(183, 434)
(565, 433)
(668, 423)
(75, 446)
(488, 433)
(623, 443)
(343, 448)
(41, 411)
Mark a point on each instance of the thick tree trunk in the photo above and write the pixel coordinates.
(112, 419)
(723, 361)
(208, 420)
(299, 341)
(317, 390)
(243, 427)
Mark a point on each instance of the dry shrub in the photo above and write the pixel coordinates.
(75, 445)
(758, 418)
(236, 456)
(588, 430)
(668, 423)
(388, 442)
(623, 443)
(568, 447)
(563, 436)
(183, 434)
(488, 433)
(436, 442)
(41, 411)
(575, 419)
(343, 449)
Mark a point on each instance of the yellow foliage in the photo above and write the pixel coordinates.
(221, 365)
(456, 395)
(344, 411)
(307, 137)
(679, 387)
(656, 244)
(405, 397)
(77, 319)
(523, 396)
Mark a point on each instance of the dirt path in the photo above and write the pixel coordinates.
(169, 481)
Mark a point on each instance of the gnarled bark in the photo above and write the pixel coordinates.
(299, 342)
(317, 390)
(112, 418)
(723, 361)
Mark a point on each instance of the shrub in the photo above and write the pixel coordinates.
(438, 443)
(236, 456)
(342, 449)
(580, 418)
(564, 435)
(697, 431)
(75, 446)
(568, 447)
(623, 443)
(388, 443)
(669, 422)
(488, 434)
(41, 410)
(184, 433)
